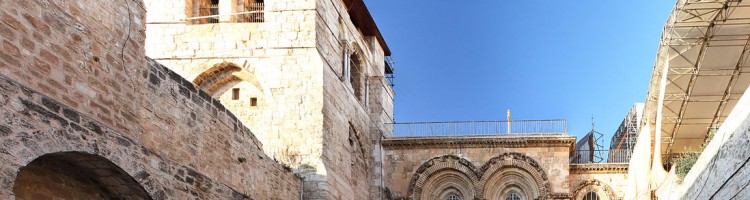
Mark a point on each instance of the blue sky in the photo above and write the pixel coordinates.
(472, 60)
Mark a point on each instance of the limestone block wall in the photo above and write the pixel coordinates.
(278, 53)
(346, 177)
(607, 180)
(403, 157)
(307, 115)
(88, 57)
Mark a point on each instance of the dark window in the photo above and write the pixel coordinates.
(513, 196)
(213, 10)
(202, 11)
(235, 93)
(356, 75)
(452, 196)
(250, 11)
(253, 101)
(591, 196)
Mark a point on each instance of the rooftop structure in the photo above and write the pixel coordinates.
(701, 70)
(623, 141)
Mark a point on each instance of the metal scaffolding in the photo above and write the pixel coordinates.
(623, 141)
(589, 148)
(701, 70)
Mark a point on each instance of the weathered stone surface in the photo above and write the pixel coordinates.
(306, 114)
(410, 165)
(82, 83)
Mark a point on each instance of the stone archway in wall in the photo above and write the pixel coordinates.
(219, 78)
(38, 132)
(513, 173)
(75, 175)
(602, 190)
(443, 176)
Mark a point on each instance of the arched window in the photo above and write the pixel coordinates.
(513, 196)
(591, 196)
(354, 72)
(453, 196)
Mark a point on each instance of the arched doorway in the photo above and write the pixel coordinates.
(444, 177)
(593, 190)
(75, 175)
(512, 176)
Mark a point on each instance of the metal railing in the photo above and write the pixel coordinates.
(479, 128)
(599, 156)
(253, 13)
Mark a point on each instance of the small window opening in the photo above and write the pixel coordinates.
(355, 75)
(591, 196)
(253, 101)
(213, 10)
(513, 196)
(453, 196)
(235, 93)
(251, 11)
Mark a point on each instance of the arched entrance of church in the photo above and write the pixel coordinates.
(513, 176)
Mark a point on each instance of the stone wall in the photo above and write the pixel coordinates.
(337, 35)
(278, 55)
(296, 56)
(607, 180)
(405, 156)
(76, 79)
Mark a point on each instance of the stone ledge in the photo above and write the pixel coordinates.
(599, 168)
(514, 141)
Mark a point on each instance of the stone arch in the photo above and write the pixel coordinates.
(213, 80)
(34, 126)
(513, 170)
(440, 175)
(75, 175)
(601, 189)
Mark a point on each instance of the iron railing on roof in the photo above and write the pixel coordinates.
(479, 128)
(599, 156)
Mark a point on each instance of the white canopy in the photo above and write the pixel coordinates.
(704, 53)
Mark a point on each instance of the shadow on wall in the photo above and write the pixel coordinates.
(75, 175)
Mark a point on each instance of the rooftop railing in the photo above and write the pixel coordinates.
(600, 156)
(480, 128)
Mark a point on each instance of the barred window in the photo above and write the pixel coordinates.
(513, 196)
(591, 196)
(453, 196)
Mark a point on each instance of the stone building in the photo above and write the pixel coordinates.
(239, 99)
(474, 161)
(307, 77)
(277, 99)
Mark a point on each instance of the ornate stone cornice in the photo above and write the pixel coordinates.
(513, 141)
(599, 168)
